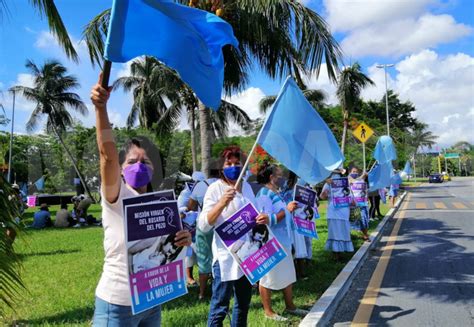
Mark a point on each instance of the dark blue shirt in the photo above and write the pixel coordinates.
(42, 219)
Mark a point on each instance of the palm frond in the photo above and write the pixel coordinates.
(266, 103)
(48, 8)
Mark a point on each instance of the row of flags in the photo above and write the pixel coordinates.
(190, 41)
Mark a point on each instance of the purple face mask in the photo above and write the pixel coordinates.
(137, 175)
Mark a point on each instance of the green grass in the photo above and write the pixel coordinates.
(61, 268)
(412, 183)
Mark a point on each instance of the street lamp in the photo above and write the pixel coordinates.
(384, 66)
(11, 142)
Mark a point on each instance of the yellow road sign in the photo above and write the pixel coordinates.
(363, 132)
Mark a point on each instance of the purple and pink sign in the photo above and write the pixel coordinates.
(340, 192)
(306, 211)
(252, 245)
(359, 191)
(155, 263)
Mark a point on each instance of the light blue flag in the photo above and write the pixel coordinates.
(40, 183)
(407, 169)
(186, 39)
(295, 135)
(380, 176)
(396, 179)
(385, 150)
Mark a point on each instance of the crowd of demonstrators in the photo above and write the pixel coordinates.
(128, 173)
(339, 227)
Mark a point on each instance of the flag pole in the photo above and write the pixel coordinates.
(363, 154)
(244, 168)
(106, 74)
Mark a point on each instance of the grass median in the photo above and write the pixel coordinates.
(61, 268)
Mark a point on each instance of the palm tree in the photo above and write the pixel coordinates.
(282, 37)
(11, 283)
(152, 84)
(51, 93)
(315, 97)
(56, 26)
(422, 137)
(3, 118)
(349, 85)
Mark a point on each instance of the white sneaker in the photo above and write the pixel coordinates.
(276, 317)
(297, 312)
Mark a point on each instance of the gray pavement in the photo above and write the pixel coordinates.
(429, 280)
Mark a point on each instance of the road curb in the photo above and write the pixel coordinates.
(323, 310)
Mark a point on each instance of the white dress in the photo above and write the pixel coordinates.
(339, 227)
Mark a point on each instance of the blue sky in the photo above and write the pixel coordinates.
(431, 43)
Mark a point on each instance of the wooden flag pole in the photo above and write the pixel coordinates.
(106, 74)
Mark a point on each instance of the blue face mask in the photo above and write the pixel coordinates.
(232, 173)
(354, 175)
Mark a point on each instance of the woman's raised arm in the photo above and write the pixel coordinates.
(109, 159)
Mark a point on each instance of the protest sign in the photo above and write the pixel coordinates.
(165, 195)
(155, 264)
(306, 211)
(359, 191)
(253, 246)
(340, 192)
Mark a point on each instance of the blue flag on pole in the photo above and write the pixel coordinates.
(40, 183)
(295, 135)
(396, 179)
(186, 39)
(407, 169)
(380, 176)
(385, 150)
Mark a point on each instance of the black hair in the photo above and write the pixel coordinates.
(265, 171)
(261, 229)
(170, 239)
(292, 178)
(152, 152)
(63, 205)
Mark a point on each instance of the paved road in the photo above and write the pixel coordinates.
(422, 271)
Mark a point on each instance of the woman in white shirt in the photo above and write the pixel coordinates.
(222, 199)
(128, 176)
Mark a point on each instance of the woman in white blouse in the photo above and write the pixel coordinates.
(222, 199)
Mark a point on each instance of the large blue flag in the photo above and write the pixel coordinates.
(295, 135)
(186, 39)
(385, 150)
(380, 176)
(40, 183)
(396, 179)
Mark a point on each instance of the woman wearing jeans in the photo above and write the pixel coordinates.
(222, 199)
(128, 176)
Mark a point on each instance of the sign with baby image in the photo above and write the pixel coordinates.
(340, 192)
(359, 191)
(306, 211)
(155, 263)
(253, 246)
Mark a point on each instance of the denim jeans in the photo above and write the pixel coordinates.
(112, 315)
(221, 294)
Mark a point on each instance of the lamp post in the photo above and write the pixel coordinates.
(384, 66)
(11, 142)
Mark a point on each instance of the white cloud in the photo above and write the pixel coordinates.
(346, 15)
(391, 28)
(404, 36)
(46, 40)
(25, 80)
(248, 100)
(322, 82)
(441, 88)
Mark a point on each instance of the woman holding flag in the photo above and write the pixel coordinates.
(222, 199)
(283, 275)
(127, 175)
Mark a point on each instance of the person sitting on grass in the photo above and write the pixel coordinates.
(125, 174)
(63, 217)
(42, 218)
